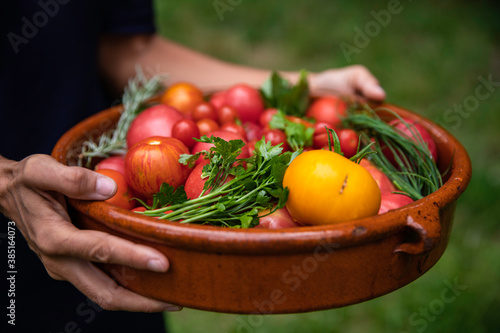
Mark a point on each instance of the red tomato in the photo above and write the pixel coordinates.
(114, 162)
(235, 128)
(280, 219)
(276, 137)
(247, 102)
(206, 126)
(200, 146)
(155, 161)
(183, 96)
(156, 120)
(392, 201)
(194, 183)
(185, 130)
(266, 117)
(218, 99)
(349, 140)
(321, 127)
(124, 194)
(384, 183)
(251, 147)
(253, 131)
(329, 109)
(138, 209)
(227, 114)
(299, 120)
(413, 133)
(204, 110)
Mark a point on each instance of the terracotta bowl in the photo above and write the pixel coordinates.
(280, 271)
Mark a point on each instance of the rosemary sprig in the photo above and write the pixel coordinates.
(139, 90)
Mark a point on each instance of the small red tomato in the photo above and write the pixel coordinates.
(321, 127)
(227, 114)
(321, 140)
(218, 99)
(246, 100)
(204, 110)
(124, 194)
(384, 183)
(392, 201)
(235, 128)
(329, 109)
(279, 219)
(186, 130)
(253, 131)
(138, 209)
(276, 136)
(114, 162)
(154, 161)
(349, 140)
(251, 147)
(417, 133)
(206, 126)
(194, 183)
(266, 117)
(200, 146)
(299, 120)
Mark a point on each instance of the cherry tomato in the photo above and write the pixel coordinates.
(207, 125)
(185, 130)
(235, 128)
(246, 100)
(199, 146)
(349, 140)
(114, 162)
(321, 127)
(321, 140)
(253, 131)
(279, 219)
(327, 188)
(299, 120)
(418, 134)
(227, 114)
(183, 96)
(276, 136)
(329, 109)
(124, 194)
(204, 110)
(154, 161)
(266, 117)
(195, 183)
(218, 99)
(156, 120)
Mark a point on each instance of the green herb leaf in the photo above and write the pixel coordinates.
(168, 195)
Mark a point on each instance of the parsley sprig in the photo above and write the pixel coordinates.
(232, 203)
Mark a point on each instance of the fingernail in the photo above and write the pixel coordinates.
(156, 265)
(379, 90)
(105, 186)
(171, 308)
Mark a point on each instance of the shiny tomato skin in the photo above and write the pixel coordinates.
(276, 136)
(235, 128)
(279, 219)
(194, 183)
(327, 188)
(328, 109)
(298, 120)
(204, 110)
(183, 96)
(349, 141)
(246, 100)
(413, 133)
(156, 120)
(392, 201)
(267, 116)
(185, 130)
(384, 183)
(124, 194)
(207, 125)
(116, 162)
(218, 99)
(227, 114)
(253, 131)
(153, 161)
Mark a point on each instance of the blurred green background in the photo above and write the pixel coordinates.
(430, 57)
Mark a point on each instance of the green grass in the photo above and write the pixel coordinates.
(428, 58)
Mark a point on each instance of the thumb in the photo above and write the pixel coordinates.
(45, 173)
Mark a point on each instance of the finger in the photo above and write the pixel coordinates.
(45, 173)
(365, 83)
(103, 290)
(97, 246)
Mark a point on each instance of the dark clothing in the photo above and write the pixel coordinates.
(49, 81)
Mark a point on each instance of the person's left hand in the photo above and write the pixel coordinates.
(353, 80)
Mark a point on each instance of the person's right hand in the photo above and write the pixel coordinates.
(32, 194)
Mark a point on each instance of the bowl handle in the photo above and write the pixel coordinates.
(427, 228)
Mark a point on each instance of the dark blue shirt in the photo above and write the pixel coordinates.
(49, 81)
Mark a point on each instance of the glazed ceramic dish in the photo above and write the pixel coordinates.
(280, 271)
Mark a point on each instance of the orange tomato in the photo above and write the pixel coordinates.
(327, 188)
(183, 96)
(124, 193)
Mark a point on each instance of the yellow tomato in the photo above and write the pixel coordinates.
(183, 96)
(326, 188)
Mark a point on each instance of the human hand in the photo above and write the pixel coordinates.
(32, 194)
(353, 80)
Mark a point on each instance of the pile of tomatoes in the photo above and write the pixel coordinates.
(164, 131)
